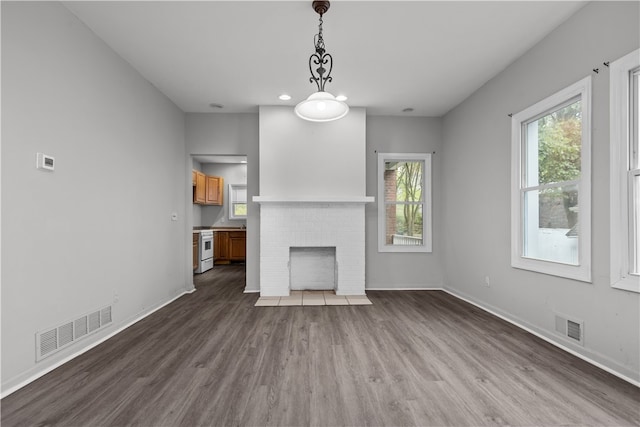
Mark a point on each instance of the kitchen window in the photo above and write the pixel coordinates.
(237, 201)
(404, 202)
(625, 172)
(551, 185)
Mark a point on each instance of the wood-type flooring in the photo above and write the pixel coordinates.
(412, 358)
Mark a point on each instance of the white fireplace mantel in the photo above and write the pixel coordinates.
(331, 199)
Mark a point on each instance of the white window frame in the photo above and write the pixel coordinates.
(232, 200)
(621, 172)
(581, 271)
(426, 202)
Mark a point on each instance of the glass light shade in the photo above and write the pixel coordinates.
(321, 107)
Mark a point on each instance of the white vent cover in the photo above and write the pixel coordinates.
(570, 328)
(54, 339)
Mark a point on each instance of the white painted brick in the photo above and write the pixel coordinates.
(307, 225)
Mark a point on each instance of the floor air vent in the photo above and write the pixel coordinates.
(570, 328)
(52, 340)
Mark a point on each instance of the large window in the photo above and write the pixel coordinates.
(625, 172)
(404, 202)
(551, 218)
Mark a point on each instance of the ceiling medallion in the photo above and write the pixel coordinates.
(321, 106)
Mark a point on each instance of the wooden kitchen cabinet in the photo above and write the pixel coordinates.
(215, 191)
(196, 254)
(220, 247)
(207, 190)
(237, 245)
(200, 190)
(229, 245)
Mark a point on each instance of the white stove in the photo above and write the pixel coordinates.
(205, 251)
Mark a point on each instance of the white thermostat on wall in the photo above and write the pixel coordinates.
(44, 161)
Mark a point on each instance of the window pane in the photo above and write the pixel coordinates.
(403, 181)
(239, 209)
(551, 228)
(552, 148)
(404, 202)
(634, 265)
(404, 225)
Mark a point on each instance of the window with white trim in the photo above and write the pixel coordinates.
(625, 172)
(551, 185)
(404, 202)
(237, 201)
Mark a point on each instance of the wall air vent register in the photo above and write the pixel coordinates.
(570, 328)
(55, 339)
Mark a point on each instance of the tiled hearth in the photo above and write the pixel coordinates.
(323, 223)
(297, 298)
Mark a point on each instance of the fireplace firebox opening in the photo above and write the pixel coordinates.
(312, 268)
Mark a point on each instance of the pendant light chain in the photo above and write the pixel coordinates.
(321, 59)
(319, 42)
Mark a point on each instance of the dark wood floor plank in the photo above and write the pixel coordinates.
(412, 358)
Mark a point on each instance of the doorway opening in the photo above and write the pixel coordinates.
(218, 206)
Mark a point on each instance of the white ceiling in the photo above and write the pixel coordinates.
(388, 55)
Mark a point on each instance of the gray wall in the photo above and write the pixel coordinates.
(403, 270)
(100, 224)
(476, 198)
(232, 174)
(299, 158)
(227, 133)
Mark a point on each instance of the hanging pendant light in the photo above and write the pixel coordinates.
(321, 106)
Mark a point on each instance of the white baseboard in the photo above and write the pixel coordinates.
(405, 289)
(61, 362)
(253, 291)
(520, 324)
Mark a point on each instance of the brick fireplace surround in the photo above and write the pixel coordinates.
(312, 222)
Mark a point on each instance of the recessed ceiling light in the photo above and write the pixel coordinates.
(284, 97)
(407, 110)
(214, 105)
(341, 98)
